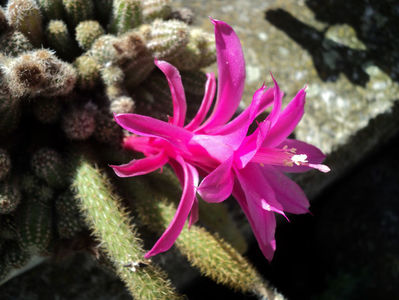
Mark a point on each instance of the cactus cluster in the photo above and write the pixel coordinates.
(65, 67)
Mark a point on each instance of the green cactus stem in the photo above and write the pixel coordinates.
(25, 16)
(34, 229)
(5, 164)
(156, 9)
(87, 32)
(78, 10)
(79, 122)
(199, 52)
(14, 43)
(213, 256)
(183, 14)
(68, 218)
(38, 72)
(103, 51)
(112, 75)
(126, 14)
(122, 105)
(166, 39)
(32, 186)
(48, 164)
(59, 39)
(10, 197)
(88, 70)
(117, 236)
(135, 59)
(107, 130)
(51, 9)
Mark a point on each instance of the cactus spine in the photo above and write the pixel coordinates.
(87, 32)
(78, 10)
(105, 216)
(59, 39)
(126, 14)
(51, 9)
(25, 16)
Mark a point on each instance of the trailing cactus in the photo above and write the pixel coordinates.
(105, 215)
(66, 66)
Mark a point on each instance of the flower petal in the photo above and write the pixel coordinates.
(141, 166)
(257, 188)
(234, 132)
(314, 155)
(217, 186)
(287, 121)
(186, 202)
(215, 146)
(263, 223)
(278, 96)
(210, 88)
(231, 74)
(147, 126)
(289, 194)
(176, 90)
(252, 144)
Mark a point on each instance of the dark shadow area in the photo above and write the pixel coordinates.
(376, 24)
(329, 57)
(349, 248)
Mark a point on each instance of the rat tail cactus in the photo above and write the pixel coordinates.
(74, 75)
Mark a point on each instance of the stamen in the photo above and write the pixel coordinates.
(299, 159)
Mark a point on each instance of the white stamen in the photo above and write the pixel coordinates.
(299, 159)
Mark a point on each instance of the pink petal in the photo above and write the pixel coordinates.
(186, 202)
(287, 121)
(252, 144)
(217, 186)
(257, 188)
(288, 193)
(141, 166)
(215, 146)
(177, 91)
(278, 96)
(263, 223)
(147, 126)
(210, 88)
(234, 132)
(231, 74)
(314, 155)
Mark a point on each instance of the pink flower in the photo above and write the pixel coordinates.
(251, 167)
